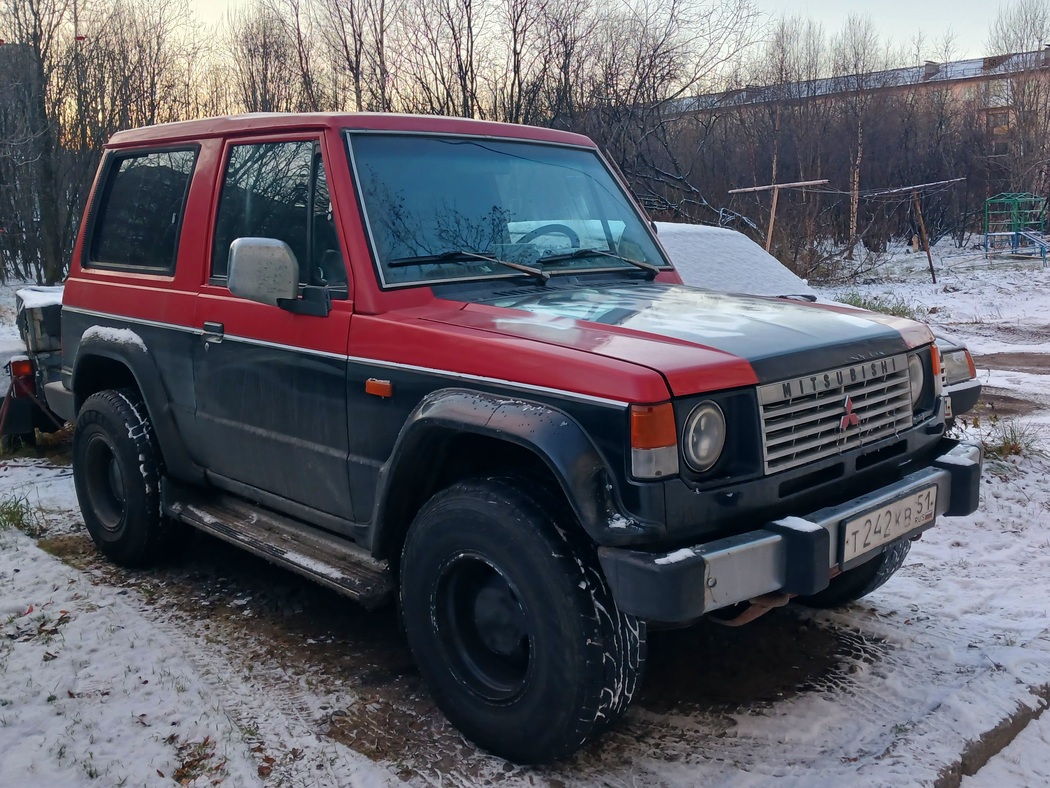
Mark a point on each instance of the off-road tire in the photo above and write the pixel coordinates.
(571, 662)
(860, 581)
(117, 467)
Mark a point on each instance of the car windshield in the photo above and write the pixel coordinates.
(449, 208)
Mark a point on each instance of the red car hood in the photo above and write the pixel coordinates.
(699, 340)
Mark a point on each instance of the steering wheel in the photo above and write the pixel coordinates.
(551, 229)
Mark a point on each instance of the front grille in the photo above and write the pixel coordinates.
(809, 418)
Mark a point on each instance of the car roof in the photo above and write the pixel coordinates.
(265, 122)
(721, 259)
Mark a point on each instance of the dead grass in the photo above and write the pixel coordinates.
(1006, 437)
(197, 761)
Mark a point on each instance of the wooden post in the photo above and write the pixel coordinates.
(775, 188)
(772, 218)
(925, 238)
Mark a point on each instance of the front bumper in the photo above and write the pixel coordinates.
(793, 555)
(963, 397)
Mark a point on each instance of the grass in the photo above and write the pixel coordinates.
(887, 304)
(17, 512)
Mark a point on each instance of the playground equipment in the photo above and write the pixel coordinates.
(1015, 224)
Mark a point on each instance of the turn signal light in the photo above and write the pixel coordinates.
(652, 426)
(654, 441)
(379, 388)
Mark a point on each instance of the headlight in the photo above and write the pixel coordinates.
(918, 377)
(704, 436)
(958, 366)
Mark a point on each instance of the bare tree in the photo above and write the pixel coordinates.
(31, 142)
(649, 60)
(344, 33)
(516, 88)
(263, 60)
(446, 43)
(1023, 29)
(858, 63)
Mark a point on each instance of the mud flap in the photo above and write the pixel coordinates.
(19, 416)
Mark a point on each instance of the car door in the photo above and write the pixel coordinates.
(271, 385)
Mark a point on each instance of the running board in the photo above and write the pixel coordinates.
(329, 560)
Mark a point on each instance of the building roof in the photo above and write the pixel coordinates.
(931, 73)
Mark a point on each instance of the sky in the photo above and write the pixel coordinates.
(903, 20)
(897, 20)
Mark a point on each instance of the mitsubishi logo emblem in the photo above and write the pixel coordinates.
(849, 418)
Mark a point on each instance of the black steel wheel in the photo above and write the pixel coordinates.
(512, 625)
(483, 627)
(117, 468)
(861, 580)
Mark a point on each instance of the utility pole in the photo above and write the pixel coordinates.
(775, 188)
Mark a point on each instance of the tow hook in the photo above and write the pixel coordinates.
(756, 608)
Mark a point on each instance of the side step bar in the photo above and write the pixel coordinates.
(329, 560)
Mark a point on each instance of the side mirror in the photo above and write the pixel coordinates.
(263, 270)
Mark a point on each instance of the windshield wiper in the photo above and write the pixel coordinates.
(578, 253)
(462, 255)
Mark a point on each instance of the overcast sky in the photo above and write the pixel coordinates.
(896, 20)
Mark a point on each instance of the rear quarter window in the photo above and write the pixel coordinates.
(140, 209)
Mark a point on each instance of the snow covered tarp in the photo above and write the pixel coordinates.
(39, 311)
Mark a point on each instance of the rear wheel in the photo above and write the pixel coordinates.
(860, 581)
(117, 468)
(512, 625)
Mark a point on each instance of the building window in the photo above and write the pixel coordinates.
(999, 122)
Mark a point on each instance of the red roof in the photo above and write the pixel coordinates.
(278, 121)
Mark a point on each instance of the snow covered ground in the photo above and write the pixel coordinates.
(222, 670)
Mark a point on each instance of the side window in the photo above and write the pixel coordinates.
(140, 211)
(279, 190)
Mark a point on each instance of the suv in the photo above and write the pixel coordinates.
(447, 362)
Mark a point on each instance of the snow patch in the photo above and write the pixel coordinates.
(952, 459)
(314, 566)
(38, 297)
(676, 557)
(118, 336)
(798, 524)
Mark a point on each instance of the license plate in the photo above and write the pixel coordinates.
(890, 521)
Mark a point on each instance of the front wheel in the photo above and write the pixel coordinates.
(117, 468)
(861, 580)
(512, 625)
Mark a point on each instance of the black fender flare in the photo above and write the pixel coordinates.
(554, 436)
(143, 368)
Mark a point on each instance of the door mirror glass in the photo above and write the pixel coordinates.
(263, 270)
